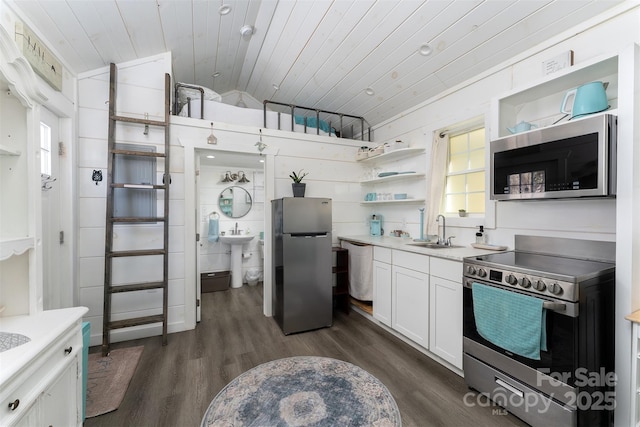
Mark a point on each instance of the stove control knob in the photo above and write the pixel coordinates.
(511, 279)
(471, 270)
(539, 286)
(482, 272)
(525, 283)
(555, 289)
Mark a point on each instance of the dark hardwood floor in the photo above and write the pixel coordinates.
(173, 385)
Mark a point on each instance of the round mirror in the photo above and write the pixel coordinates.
(235, 202)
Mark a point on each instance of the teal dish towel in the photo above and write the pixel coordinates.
(510, 320)
(214, 228)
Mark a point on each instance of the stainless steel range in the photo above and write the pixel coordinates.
(568, 379)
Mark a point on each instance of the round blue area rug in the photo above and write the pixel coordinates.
(304, 391)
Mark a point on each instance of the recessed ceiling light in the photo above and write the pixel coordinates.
(276, 86)
(369, 91)
(425, 50)
(211, 157)
(216, 74)
(261, 160)
(224, 9)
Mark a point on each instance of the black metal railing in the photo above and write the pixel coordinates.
(344, 128)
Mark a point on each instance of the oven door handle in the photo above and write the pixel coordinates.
(556, 306)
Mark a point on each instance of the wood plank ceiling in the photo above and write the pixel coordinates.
(319, 53)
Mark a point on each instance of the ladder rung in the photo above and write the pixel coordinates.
(142, 252)
(138, 153)
(136, 321)
(138, 219)
(141, 121)
(132, 287)
(139, 186)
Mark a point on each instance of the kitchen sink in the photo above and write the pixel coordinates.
(433, 245)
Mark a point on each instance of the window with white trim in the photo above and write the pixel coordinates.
(465, 176)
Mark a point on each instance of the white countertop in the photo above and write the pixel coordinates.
(42, 328)
(402, 244)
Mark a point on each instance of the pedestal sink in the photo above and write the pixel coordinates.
(236, 241)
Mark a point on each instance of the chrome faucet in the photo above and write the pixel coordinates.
(442, 241)
(446, 241)
(236, 230)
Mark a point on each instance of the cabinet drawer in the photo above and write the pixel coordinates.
(411, 261)
(446, 268)
(382, 254)
(37, 375)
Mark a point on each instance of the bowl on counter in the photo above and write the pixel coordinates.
(400, 196)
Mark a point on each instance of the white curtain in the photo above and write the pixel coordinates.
(439, 156)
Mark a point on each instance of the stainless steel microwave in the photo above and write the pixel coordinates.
(569, 160)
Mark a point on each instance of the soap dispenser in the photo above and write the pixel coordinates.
(481, 237)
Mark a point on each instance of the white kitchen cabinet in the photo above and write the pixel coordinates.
(445, 310)
(382, 292)
(410, 296)
(539, 102)
(61, 403)
(382, 284)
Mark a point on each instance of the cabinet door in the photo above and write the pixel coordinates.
(29, 419)
(410, 297)
(445, 320)
(382, 292)
(60, 402)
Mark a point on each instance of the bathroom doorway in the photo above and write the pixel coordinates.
(229, 198)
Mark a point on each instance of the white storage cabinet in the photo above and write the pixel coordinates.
(46, 389)
(445, 310)
(382, 285)
(410, 296)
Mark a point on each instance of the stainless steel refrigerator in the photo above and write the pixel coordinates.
(302, 287)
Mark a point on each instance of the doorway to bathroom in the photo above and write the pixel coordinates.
(230, 200)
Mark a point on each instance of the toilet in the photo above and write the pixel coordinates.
(252, 276)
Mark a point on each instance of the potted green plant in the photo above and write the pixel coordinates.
(298, 186)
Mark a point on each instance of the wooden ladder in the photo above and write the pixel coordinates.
(111, 219)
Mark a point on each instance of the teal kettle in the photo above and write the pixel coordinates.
(586, 99)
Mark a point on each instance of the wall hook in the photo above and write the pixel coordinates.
(146, 126)
(46, 180)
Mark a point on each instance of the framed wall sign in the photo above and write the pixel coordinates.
(41, 59)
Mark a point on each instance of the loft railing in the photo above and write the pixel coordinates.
(188, 104)
(341, 130)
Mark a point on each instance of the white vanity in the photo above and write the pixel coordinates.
(40, 351)
(41, 380)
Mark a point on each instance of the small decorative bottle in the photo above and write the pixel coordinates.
(481, 237)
